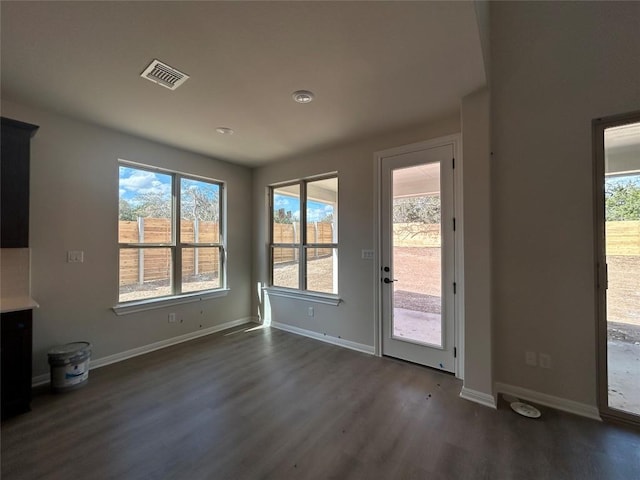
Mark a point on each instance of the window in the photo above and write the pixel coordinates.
(304, 235)
(170, 234)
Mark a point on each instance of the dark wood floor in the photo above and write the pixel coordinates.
(263, 404)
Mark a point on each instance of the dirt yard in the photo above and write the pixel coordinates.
(162, 288)
(623, 295)
(623, 298)
(319, 275)
(416, 269)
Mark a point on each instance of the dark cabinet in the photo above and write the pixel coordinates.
(15, 139)
(16, 327)
(16, 362)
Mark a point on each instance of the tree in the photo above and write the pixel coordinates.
(424, 209)
(200, 203)
(622, 200)
(152, 205)
(126, 211)
(328, 218)
(282, 216)
(413, 216)
(148, 205)
(196, 203)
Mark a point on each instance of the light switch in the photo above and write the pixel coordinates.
(75, 256)
(367, 254)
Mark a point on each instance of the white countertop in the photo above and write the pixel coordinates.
(17, 303)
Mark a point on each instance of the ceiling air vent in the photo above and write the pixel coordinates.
(164, 75)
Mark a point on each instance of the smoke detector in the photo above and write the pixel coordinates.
(164, 75)
(303, 96)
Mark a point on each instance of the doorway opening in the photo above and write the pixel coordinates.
(417, 254)
(617, 144)
(417, 261)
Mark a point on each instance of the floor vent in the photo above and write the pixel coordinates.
(164, 75)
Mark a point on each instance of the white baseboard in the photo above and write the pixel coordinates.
(119, 357)
(341, 342)
(558, 403)
(479, 397)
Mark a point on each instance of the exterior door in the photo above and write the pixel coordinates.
(417, 256)
(617, 149)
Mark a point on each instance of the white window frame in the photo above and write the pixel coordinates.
(302, 292)
(177, 246)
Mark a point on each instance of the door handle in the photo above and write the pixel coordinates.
(388, 280)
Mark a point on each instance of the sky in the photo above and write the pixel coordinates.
(617, 179)
(134, 181)
(316, 211)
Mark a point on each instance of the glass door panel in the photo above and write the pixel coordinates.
(622, 251)
(417, 254)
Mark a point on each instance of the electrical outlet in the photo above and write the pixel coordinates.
(172, 318)
(545, 360)
(530, 359)
(75, 256)
(310, 312)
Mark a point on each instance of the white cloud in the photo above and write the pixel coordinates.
(282, 202)
(141, 182)
(317, 213)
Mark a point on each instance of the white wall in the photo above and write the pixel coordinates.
(555, 67)
(477, 242)
(74, 206)
(352, 320)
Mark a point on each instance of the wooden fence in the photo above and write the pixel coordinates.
(623, 238)
(139, 266)
(416, 235)
(317, 232)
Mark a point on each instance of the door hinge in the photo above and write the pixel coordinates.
(455, 352)
(455, 287)
(453, 163)
(454, 224)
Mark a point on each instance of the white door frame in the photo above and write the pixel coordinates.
(456, 141)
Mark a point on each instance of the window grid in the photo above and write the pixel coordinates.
(176, 245)
(302, 246)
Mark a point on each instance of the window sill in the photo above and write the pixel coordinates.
(307, 296)
(143, 305)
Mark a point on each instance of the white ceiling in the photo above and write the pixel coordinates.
(419, 180)
(622, 149)
(374, 67)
